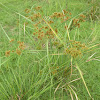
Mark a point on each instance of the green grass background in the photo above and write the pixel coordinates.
(21, 73)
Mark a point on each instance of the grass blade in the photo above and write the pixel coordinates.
(83, 80)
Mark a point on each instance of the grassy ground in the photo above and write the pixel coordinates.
(39, 69)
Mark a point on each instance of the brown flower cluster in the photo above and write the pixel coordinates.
(76, 22)
(73, 52)
(21, 45)
(33, 15)
(11, 40)
(18, 50)
(37, 8)
(64, 16)
(57, 15)
(42, 31)
(7, 53)
(49, 33)
(75, 48)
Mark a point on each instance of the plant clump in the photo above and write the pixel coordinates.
(51, 49)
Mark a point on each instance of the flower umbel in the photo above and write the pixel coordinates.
(7, 53)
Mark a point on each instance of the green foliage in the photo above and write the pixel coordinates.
(43, 48)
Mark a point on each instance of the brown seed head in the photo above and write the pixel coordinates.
(18, 51)
(7, 53)
(11, 40)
